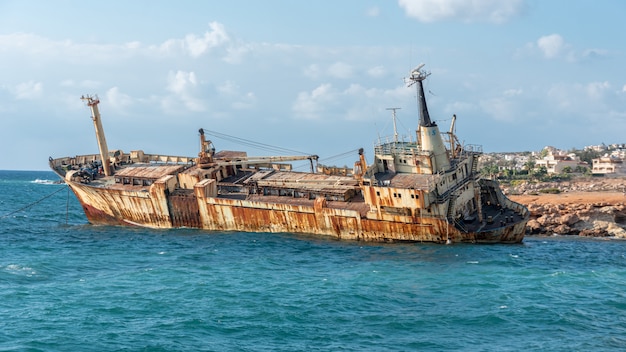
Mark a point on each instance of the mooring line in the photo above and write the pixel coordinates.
(33, 203)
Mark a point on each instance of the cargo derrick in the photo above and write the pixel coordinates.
(413, 191)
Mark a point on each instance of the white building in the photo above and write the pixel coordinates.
(607, 165)
(555, 162)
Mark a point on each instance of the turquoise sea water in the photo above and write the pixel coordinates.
(66, 285)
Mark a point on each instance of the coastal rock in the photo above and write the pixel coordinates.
(569, 219)
(593, 233)
(611, 228)
(534, 227)
(591, 207)
(562, 230)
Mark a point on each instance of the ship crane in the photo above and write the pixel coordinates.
(455, 145)
(205, 157)
(92, 102)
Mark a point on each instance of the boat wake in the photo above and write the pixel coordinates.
(46, 182)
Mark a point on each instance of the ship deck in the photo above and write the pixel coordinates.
(494, 216)
(357, 203)
(400, 180)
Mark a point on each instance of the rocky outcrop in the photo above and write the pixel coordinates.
(577, 185)
(595, 220)
(581, 207)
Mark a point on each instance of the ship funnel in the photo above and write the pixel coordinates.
(93, 102)
(429, 135)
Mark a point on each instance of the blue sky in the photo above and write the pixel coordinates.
(314, 76)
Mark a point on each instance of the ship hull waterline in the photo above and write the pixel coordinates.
(155, 208)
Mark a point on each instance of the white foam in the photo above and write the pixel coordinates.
(18, 269)
(44, 182)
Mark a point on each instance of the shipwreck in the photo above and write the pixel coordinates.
(425, 190)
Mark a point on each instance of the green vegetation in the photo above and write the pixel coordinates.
(550, 190)
(587, 155)
(508, 170)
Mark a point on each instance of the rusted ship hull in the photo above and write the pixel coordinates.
(155, 207)
(418, 190)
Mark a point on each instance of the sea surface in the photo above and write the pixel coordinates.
(66, 285)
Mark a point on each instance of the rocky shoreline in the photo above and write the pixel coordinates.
(592, 207)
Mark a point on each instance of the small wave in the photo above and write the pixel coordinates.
(45, 182)
(18, 269)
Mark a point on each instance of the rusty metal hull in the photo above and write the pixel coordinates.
(419, 191)
(155, 207)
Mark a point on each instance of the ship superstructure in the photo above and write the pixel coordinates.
(424, 190)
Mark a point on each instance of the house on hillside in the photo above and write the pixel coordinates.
(608, 164)
(556, 161)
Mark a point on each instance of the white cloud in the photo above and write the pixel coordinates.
(373, 12)
(180, 82)
(310, 105)
(597, 90)
(133, 45)
(495, 11)
(118, 100)
(459, 107)
(88, 84)
(196, 46)
(594, 53)
(551, 45)
(28, 90)
(355, 103)
(340, 70)
(29, 43)
(590, 98)
(229, 90)
(183, 85)
(247, 101)
(68, 83)
(499, 108)
(235, 54)
(554, 46)
(313, 71)
(512, 92)
(376, 72)
(506, 107)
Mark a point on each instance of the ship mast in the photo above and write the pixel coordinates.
(429, 135)
(395, 130)
(93, 102)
